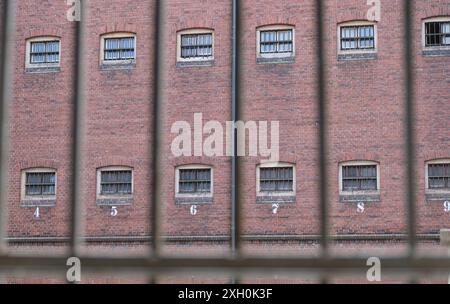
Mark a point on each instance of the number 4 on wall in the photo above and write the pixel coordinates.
(37, 213)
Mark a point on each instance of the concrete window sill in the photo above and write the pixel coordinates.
(360, 198)
(357, 56)
(115, 201)
(433, 197)
(280, 60)
(30, 203)
(190, 64)
(42, 70)
(276, 199)
(436, 53)
(194, 200)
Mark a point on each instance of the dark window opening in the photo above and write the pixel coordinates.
(357, 37)
(44, 52)
(196, 46)
(437, 34)
(439, 176)
(359, 178)
(277, 179)
(277, 41)
(119, 49)
(195, 181)
(40, 184)
(116, 182)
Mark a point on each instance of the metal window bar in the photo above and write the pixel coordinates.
(119, 48)
(437, 34)
(44, 52)
(235, 265)
(196, 45)
(357, 37)
(276, 41)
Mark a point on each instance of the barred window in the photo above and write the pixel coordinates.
(276, 41)
(360, 178)
(194, 181)
(40, 183)
(122, 48)
(197, 46)
(437, 34)
(44, 52)
(280, 179)
(439, 176)
(116, 182)
(358, 37)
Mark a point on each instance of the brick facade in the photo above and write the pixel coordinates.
(365, 103)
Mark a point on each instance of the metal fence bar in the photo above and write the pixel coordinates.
(6, 91)
(157, 143)
(236, 194)
(79, 111)
(323, 122)
(408, 9)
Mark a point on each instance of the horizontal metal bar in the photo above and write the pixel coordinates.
(224, 238)
(402, 265)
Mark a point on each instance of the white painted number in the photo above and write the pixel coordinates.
(447, 207)
(37, 213)
(275, 208)
(114, 211)
(361, 208)
(194, 210)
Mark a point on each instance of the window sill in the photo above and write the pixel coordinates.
(33, 203)
(275, 60)
(115, 201)
(436, 53)
(42, 70)
(276, 199)
(118, 66)
(198, 63)
(357, 56)
(360, 198)
(437, 196)
(194, 200)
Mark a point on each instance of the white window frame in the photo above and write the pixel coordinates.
(433, 19)
(194, 32)
(357, 51)
(25, 197)
(101, 196)
(359, 163)
(112, 36)
(427, 184)
(190, 195)
(277, 27)
(260, 193)
(29, 64)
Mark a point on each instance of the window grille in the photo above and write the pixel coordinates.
(116, 182)
(40, 184)
(44, 52)
(439, 176)
(196, 46)
(437, 34)
(119, 48)
(277, 179)
(357, 37)
(277, 41)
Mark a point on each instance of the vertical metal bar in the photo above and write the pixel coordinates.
(408, 9)
(235, 214)
(157, 146)
(78, 130)
(322, 108)
(6, 91)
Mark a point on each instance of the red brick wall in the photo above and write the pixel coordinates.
(366, 116)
